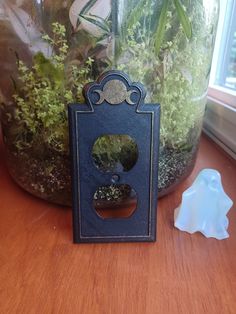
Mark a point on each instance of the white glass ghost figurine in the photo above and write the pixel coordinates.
(204, 207)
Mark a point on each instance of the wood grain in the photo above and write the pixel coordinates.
(41, 271)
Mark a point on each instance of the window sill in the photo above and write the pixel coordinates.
(222, 95)
(220, 124)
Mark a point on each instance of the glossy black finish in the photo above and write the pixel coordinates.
(122, 111)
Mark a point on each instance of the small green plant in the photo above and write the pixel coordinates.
(153, 53)
(154, 40)
(156, 55)
(43, 93)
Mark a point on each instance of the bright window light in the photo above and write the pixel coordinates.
(223, 75)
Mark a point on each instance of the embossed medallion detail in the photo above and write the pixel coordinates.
(115, 92)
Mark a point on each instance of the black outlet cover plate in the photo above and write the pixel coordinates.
(114, 105)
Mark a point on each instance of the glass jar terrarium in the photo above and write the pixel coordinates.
(50, 49)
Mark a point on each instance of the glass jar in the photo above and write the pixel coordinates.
(50, 49)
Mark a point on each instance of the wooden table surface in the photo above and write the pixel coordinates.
(41, 271)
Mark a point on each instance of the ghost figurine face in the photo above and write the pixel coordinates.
(204, 207)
